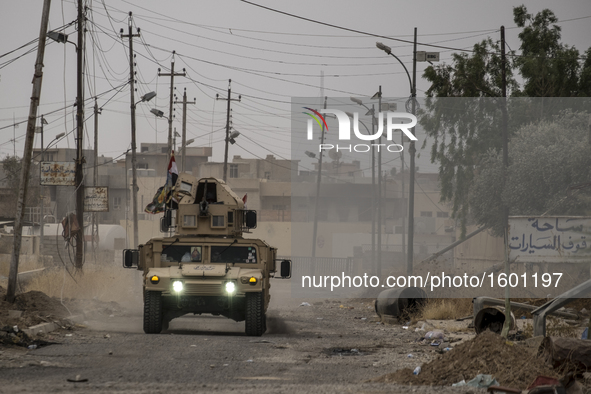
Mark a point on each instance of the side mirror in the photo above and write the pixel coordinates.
(251, 219)
(130, 258)
(285, 270)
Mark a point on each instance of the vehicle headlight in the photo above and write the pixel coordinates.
(230, 287)
(177, 286)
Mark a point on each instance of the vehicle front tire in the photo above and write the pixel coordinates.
(153, 312)
(256, 321)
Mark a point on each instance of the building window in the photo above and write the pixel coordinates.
(164, 150)
(116, 203)
(142, 166)
(144, 148)
(426, 214)
(233, 170)
(442, 214)
(278, 207)
(267, 175)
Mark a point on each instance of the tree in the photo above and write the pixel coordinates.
(546, 160)
(467, 132)
(549, 68)
(462, 116)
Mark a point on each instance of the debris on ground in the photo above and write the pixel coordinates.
(566, 354)
(35, 307)
(14, 336)
(511, 364)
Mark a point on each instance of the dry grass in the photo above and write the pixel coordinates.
(101, 283)
(26, 263)
(445, 309)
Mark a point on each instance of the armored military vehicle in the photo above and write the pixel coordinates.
(204, 264)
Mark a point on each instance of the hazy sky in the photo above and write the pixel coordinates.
(269, 57)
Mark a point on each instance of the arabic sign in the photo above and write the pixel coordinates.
(554, 239)
(58, 173)
(96, 199)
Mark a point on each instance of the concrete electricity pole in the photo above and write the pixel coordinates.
(41, 220)
(171, 75)
(97, 112)
(134, 187)
(379, 225)
(317, 202)
(79, 135)
(26, 162)
(229, 99)
(412, 150)
(505, 136)
(184, 138)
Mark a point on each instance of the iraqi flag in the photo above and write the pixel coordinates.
(163, 196)
(173, 172)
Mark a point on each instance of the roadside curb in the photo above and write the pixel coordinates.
(51, 326)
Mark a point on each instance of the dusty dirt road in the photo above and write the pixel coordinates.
(328, 347)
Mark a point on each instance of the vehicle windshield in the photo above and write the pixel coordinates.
(233, 254)
(181, 253)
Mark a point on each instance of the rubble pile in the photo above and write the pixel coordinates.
(29, 309)
(512, 364)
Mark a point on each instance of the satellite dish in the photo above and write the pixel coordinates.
(334, 154)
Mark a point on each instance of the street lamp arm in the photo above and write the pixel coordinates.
(388, 50)
(405, 69)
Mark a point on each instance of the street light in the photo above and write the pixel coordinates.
(146, 97)
(79, 176)
(158, 113)
(234, 134)
(412, 149)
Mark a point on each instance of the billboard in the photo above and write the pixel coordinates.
(58, 173)
(96, 199)
(551, 239)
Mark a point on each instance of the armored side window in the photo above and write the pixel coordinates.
(218, 221)
(189, 221)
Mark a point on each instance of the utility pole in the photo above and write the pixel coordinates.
(94, 232)
(134, 187)
(403, 198)
(317, 202)
(380, 190)
(505, 136)
(14, 127)
(373, 191)
(171, 75)
(412, 151)
(229, 99)
(41, 221)
(79, 135)
(26, 163)
(184, 137)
